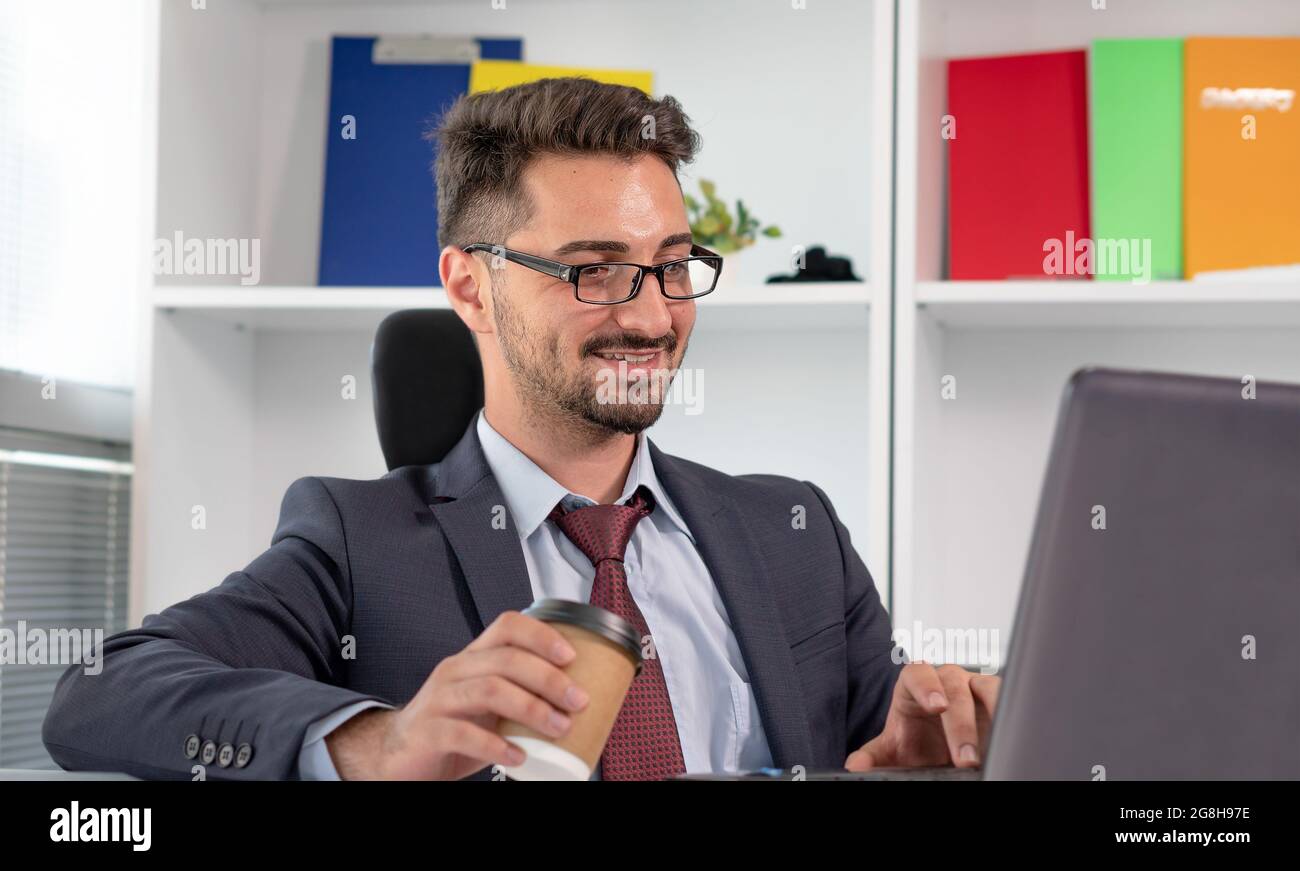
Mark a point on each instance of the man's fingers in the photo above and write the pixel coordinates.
(864, 758)
(526, 632)
(451, 735)
(523, 667)
(959, 727)
(984, 687)
(921, 686)
(494, 694)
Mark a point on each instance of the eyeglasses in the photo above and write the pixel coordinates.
(612, 283)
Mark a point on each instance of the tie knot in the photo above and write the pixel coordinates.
(602, 532)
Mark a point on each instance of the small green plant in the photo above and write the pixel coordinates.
(716, 228)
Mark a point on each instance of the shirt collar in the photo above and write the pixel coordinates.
(530, 493)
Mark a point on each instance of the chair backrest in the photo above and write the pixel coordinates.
(428, 384)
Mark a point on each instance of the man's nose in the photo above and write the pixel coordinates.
(647, 312)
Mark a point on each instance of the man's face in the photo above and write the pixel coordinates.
(559, 350)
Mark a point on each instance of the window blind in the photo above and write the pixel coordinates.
(64, 548)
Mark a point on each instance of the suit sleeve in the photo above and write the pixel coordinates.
(254, 661)
(872, 671)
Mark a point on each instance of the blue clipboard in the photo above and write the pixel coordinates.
(379, 221)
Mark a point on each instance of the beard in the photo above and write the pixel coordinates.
(560, 389)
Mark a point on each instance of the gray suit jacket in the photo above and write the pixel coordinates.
(410, 567)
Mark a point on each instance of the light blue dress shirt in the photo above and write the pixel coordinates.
(713, 702)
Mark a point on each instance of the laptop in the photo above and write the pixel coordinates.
(1157, 635)
(1165, 646)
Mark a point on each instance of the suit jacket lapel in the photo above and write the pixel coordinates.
(491, 557)
(729, 552)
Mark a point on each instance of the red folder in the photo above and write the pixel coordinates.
(1018, 164)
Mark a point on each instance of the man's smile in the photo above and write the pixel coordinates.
(639, 360)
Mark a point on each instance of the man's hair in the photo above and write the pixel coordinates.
(486, 140)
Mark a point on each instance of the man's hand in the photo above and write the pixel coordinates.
(937, 717)
(448, 730)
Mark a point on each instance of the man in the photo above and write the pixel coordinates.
(380, 635)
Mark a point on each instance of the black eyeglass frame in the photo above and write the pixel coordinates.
(568, 272)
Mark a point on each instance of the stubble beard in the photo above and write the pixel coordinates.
(557, 395)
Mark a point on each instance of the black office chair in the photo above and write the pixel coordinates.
(428, 383)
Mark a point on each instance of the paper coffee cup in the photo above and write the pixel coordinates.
(609, 657)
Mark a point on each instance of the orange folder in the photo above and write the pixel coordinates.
(1241, 194)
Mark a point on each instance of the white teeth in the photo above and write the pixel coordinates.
(630, 358)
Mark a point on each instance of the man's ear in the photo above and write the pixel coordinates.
(468, 285)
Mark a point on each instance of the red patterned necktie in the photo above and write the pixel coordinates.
(643, 744)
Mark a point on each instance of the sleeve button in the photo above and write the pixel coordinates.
(209, 752)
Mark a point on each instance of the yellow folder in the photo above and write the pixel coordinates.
(1241, 159)
(491, 75)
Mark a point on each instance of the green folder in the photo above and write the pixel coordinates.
(1136, 107)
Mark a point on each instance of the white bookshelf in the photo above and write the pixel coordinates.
(968, 469)
(239, 388)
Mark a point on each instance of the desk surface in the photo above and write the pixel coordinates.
(55, 774)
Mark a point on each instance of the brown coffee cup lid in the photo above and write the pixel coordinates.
(593, 618)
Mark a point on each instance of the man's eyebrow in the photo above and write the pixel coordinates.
(616, 247)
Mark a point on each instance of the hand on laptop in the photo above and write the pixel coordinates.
(939, 716)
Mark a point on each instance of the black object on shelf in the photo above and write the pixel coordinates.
(818, 267)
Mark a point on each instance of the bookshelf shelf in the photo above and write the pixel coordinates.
(831, 305)
(1112, 305)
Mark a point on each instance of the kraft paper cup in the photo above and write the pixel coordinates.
(609, 657)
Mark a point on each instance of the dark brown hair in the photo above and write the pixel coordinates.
(486, 140)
